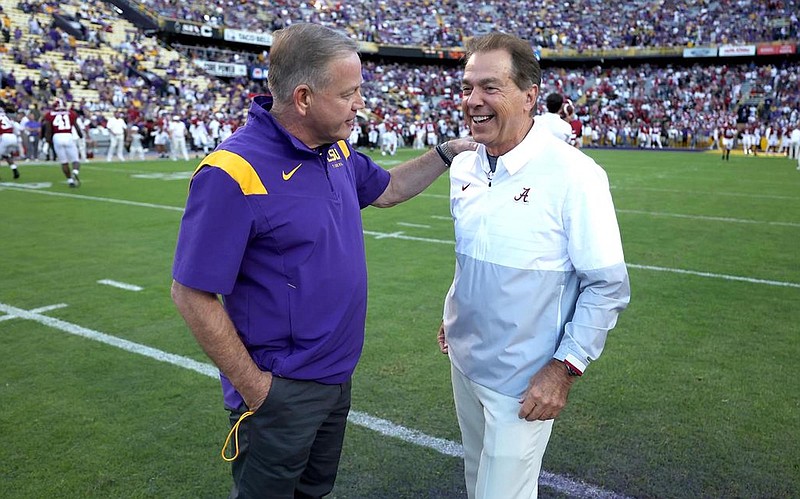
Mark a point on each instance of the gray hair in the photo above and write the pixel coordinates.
(301, 54)
(526, 71)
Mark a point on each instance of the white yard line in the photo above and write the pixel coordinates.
(562, 484)
(710, 219)
(401, 235)
(100, 167)
(716, 276)
(418, 226)
(120, 285)
(709, 194)
(48, 308)
(95, 198)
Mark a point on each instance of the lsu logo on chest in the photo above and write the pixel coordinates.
(334, 158)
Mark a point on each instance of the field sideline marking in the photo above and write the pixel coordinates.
(705, 217)
(562, 484)
(95, 198)
(120, 285)
(418, 226)
(752, 280)
(701, 193)
(716, 276)
(401, 235)
(35, 311)
(180, 208)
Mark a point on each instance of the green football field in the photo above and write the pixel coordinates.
(104, 392)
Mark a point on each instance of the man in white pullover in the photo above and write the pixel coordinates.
(540, 274)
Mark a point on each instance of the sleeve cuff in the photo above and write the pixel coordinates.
(574, 363)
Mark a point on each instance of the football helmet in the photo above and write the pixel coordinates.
(568, 109)
(58, 105)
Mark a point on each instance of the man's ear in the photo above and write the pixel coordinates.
(531, 97)
(302, 97)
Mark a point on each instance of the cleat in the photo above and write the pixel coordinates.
(16, 173)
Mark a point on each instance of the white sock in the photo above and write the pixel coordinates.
(75, 171)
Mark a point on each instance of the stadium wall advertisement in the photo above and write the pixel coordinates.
(776, 49)
(616, 53)
(192, 29)
(249, 37)
(700, 52)
(223, 69)
(736, 50)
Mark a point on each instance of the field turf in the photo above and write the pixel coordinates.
(695, 395)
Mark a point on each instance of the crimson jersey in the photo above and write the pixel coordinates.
(61, 121)
(729, 132)
(162, 124)
(6, 125)
(577, 127)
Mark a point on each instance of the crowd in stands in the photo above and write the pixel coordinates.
(576, 24)
(687, 105)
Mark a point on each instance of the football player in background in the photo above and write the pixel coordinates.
(728, 139)
(568, 115)
(60, 123)
(9, 141)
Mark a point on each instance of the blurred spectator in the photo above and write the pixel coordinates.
(33, 134)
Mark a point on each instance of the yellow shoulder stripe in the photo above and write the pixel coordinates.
(238, 168)
(344, 148)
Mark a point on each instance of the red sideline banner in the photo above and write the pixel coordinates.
(777, 49)
(736, 50)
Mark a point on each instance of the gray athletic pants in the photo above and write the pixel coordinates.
(290, 447)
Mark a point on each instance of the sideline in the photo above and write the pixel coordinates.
(401, 235)
(560, 483)
(751, 280)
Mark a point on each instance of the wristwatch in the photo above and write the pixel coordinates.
(571, 370)
(445, 153)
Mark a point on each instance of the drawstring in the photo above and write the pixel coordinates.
(235, 432)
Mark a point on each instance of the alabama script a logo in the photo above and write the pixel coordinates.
(523, 196)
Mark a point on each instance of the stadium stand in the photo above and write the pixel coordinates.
(580, 24)
(684, 69)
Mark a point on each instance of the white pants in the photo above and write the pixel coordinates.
(502, 453)
(8, 145)
(136, 150)
(65, 147)
(116, 145)
(178, 146)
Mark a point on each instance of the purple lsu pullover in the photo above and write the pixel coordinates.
(275, 228)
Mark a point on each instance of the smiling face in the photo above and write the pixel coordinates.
(332, 109)
(497, 111)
